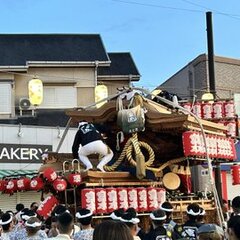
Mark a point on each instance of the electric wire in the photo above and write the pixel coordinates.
(235, 16)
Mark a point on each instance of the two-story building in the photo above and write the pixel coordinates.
(70, 67)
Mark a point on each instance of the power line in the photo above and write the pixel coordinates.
(157, 6)
(235, 16)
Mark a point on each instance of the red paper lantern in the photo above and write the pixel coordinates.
(101, 200)
(197, 109)
(218, 110)
(23, 184)
(133, 198)
(161, 195)
(112, 203)
(36, 184)
(235, 169)
(2, 185)
(142, 199)
(11, 186)
(152, 198)
(75, 179)
(60, 184)
(46, 207)
(229, 109)
(88, 199)
(50, 174)
(187, 106)
(122, 196)
(206, 110)
(231, 128)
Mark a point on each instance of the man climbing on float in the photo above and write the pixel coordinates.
(88, 140)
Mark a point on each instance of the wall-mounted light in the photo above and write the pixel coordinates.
(35, 91)
(20, 133)
(101, 92)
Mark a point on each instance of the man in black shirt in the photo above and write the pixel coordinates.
(88, 141)
(191, 226)
(158, 232)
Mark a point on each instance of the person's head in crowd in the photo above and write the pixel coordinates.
(6, 222)
(59, 209)
(193, 211)
(33, 225)
(53, 231)
(26, 213)
(210, 232)
(158, 218)
(109, 230)
(84, 217)
(201, 215)
(117, 214)
(236, 205)
(34, 206)
(131, 220)
(65, 223)
(13, 215)
(19, 208)
(167, 207)
(234, 228)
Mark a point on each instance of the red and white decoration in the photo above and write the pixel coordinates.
(218, 147)
(133, 198)
(88, 199)
(187, 106)
(46, 207)
(50, 174)
(122, 195)
(11, 186)
(229, 109)
(206, 110)
(101, 200)
(231, 128)
(106, 200)
(75, 179)
(218, 110)
(112, 201)
(2, 185)
(235, 169)
(23, 184)
(142, 199)
(152, 198)
(161, 195)
(36, 184)
(60, 184)
(197, 109)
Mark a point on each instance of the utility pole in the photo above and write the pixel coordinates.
(211, 73)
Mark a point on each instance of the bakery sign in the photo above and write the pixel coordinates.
(22, 153)
(217, 146)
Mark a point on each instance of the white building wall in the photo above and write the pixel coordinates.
(233, 190)
(9, 134)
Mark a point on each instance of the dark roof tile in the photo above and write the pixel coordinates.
(16, 49)
(121, 64)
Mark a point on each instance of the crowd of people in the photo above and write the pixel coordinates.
(120, 225)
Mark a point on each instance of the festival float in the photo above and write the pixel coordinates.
(155, 143)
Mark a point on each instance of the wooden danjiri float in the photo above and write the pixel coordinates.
(152, 158)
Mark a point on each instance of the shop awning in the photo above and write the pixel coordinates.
(17, 173)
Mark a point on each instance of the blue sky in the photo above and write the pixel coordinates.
(162, 35)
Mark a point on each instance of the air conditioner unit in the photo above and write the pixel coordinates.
(24, 104)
